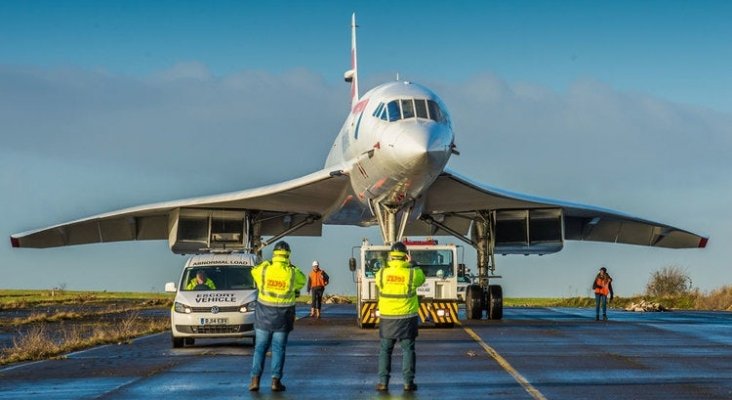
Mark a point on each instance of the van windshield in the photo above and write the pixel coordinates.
(217, 278)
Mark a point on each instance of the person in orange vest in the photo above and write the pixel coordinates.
(603, 286)
(317, 281)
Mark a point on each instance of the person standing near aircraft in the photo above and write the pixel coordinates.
(317, 281)
(398, 304)
(278, 283)
(603, 286)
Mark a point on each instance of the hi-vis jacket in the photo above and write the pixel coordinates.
(397, 284)
(317, 279)
(603, 286)
(194, 282)
(278, 281)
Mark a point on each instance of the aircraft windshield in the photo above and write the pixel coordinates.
(434, 263)
(217, 278)
(409, 108)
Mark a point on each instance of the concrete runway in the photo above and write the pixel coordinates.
(531, 354)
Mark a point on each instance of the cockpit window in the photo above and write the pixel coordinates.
(380, 111)
(394, 110)
(420, 106)
(410, 108)
(407, 109)
(435, 112)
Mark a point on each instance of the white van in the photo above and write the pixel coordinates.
(220, 307)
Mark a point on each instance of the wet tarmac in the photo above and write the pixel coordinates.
(531, 354)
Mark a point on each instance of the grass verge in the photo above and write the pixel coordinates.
(716, 300)
(13, 299)
(41, 342)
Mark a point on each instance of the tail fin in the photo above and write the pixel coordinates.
(352, 74)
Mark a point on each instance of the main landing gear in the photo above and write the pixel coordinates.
(481, 295)
(477, 300)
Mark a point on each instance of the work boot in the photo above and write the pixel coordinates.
(254, 386)
(410, 387)
(382, 387)
(277, 386)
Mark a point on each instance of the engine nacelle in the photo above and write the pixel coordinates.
(536, 231)
(192, 231)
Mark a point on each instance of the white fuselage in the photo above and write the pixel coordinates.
(397, 139)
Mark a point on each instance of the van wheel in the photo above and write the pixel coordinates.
(177, 342)
(190, 341)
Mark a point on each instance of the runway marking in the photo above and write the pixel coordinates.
(534, 392)
(24, 364)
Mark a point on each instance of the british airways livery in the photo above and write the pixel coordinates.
(386, 167)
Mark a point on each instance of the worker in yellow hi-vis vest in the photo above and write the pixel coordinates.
(397, 285)
(279, 283)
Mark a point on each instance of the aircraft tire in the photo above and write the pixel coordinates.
(495, 302)
(473, 302)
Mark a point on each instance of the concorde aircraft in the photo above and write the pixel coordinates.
(386, 168)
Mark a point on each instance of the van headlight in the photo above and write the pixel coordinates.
(181, 308)
(248, 307)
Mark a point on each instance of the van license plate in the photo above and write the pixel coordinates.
(214, 321)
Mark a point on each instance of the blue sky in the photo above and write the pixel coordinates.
(112, 104)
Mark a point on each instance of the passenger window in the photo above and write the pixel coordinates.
(394, 112)
(420, 107)
(435, 112)
(408, 108)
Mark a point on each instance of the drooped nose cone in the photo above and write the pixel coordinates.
(425, 145)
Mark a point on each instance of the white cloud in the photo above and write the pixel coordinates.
(192, 70)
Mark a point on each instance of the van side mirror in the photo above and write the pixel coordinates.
(170, 287)
(352, 264)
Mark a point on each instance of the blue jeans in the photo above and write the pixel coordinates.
(278, 340)
(600, 299)
(409, 359)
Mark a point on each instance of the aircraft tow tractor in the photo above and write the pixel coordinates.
(438, 296)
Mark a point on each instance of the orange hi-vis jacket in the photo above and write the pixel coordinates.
(317, 279)
(602, 286)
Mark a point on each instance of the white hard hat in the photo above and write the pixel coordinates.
(315, 263)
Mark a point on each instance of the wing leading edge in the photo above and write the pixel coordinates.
(276, 206)
(453, 200)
